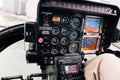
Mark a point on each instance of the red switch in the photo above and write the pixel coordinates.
(40, 40)
(46, 18)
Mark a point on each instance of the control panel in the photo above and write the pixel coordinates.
(70, 27)
(67, 30)
(60, 33)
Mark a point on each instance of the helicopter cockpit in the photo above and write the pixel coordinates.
(63, 33)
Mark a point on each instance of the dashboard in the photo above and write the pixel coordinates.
(71, 27)
(67, 30)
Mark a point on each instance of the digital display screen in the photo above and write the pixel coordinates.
(71, 69)
(89, 43)
(56, 18)
(92, 25)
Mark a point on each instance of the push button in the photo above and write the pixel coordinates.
(40, 40)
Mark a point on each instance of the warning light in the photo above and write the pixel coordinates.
(46, 18)
(40, 40)
(56, 19)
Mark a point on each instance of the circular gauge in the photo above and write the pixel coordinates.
(54, 50)
(63, 50)
(73, 47)
(55, 30)
(65, 20)
(74, 35)
(55, 41)
(75, 22)
(64, 41)
(65, 30)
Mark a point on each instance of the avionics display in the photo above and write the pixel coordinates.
(89, 43)
(71, 69)
(92, 24)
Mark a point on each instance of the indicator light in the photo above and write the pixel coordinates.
(40, 40)
(47, 18)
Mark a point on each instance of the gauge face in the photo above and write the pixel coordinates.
(55, 41)
(54, 50)
(65, 30)
(74, 35)
(64, 41)
(63, 50)
(75, 22)
(65, 20)
(55, 30)
(73, 47)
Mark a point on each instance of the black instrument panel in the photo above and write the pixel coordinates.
(61, 33)
(82, 27)
(66, 27)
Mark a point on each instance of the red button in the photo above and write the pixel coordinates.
(40, 40)
(101, 49)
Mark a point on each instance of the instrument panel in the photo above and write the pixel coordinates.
(67, 30)
(62, 33)
(65, 33)
(72, 27)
